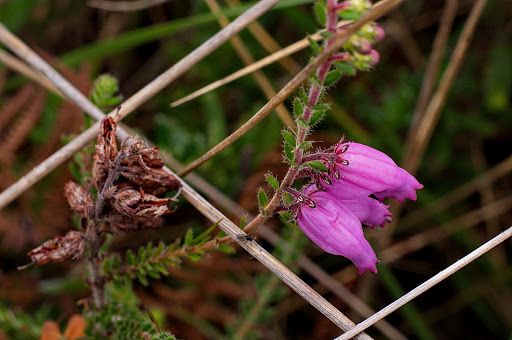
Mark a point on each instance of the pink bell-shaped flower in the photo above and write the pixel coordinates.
(373, 172)
(336, 229)
(368, 210)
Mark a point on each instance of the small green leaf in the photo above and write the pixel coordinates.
(320, 107)
(313, 79)
(203, 237)
(161, 268)
(302, 122)
(287, 199)
(303, 95)
(305, 145)
(141, 255)
(262, 198)
(274, 183)
(349, 15)
(226, 249)
(316, 117)
(142, 279)
(242, 222)
(285, 216)
(320, 12)
(130, 257)
(288, 151)
(189, 238)
(290, 162)
(154, 274)
(195, 257)
(318, 166)
(327, 34)
(314, 46)
(289, 138)
(345, 68)
(332, 77)
(298, 108)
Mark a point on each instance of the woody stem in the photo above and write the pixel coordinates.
(94, 238)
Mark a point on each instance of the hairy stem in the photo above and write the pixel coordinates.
(302, 131)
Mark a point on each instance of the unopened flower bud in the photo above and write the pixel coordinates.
(374, 57)
(379, 34)
(362, 46)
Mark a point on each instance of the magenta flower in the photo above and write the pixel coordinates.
(369, 171)
(336, 229)
(332, 217)
(368, 210)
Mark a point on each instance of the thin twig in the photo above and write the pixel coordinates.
(267, 41)
(376, 12)
(124, 6)
(19, 66)
(128, 106)
(245, 55)
(434, 64)
(455, 196)
(428, 284)
(289, 50)
(437, 234)
(415, 149)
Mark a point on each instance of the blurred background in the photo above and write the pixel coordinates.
(466, 166)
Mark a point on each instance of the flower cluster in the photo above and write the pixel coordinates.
(331, 212)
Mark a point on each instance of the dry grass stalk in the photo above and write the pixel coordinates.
(428, 284)
(245, 55)
(25, 53)
(415, 149)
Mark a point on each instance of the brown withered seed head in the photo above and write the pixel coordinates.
(79, 199)
(59, 249)
(106, 150)
(136, 203)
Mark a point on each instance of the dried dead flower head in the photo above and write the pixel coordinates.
(59, 249)
(79, 199)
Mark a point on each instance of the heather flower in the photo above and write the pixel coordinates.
(368, 171)
(336, 229)
(368, 210)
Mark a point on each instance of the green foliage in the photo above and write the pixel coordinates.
(274, 183)
(104, 92)
(150, 261)
(314, 45)
(321, 12)
(318, 166)
(122, 319)
(262, 198)
(298, 107)
(345, 68)
(20, 326)
(289, 138)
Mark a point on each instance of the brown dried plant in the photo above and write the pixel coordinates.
(130, 183)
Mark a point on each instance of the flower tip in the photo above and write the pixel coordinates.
(370, 267)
